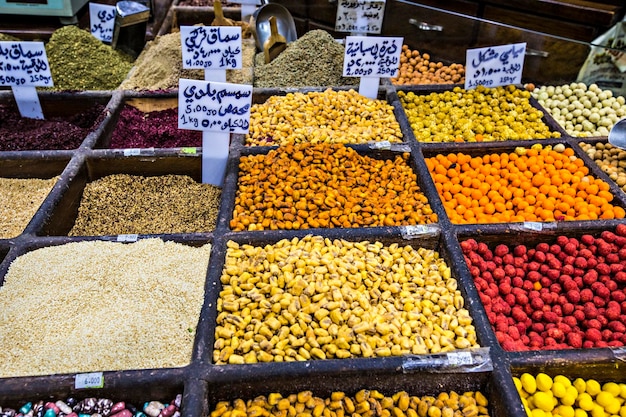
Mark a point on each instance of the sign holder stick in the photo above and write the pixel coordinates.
(27, 101)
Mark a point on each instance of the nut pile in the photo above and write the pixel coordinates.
(92, 406)
(416, 68)
(582, 111)
(364, 403)
(313, 298)
(326, 185)
(482, 114)
(610, 159)
(570, 293)
(329, 116)
(544, 396)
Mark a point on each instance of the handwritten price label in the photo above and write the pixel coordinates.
(211, 47)
(24, 64)
(494, 66)
(102, 21)
(377, 57)
(213, 106)
(360, 16)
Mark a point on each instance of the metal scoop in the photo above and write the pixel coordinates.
(617, 135)
(260, 24)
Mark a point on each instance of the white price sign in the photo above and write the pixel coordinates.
(102, 21)
(24, 64)
(494, 65)
(89, 380)
(211, 47)
(360, 16)
(376, 57)
(214, 106)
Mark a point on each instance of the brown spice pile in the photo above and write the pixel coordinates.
(127, 204)
(19, 200)
(99, 306)
(160, 66)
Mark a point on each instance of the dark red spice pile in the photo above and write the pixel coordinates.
(18, 133)
(157, 129)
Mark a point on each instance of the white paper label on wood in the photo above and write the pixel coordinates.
(360, 16)
(211, 47)
(494, 65)
(102, 21)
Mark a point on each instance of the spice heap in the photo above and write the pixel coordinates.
(329, 116)
(160, 66)
(482, 114)
(19, 133)
(561, 294)
(203, 3)
(105, 407)
(126, 204)
(416, 68)
(8, 38)
(85, 290)
(326, 185)
(338, 284)
(535, 184)
(19, 200)
(314, 60)
(79, 61)
(155, 129)
(470, 403)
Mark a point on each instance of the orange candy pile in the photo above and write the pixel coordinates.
(536, 184)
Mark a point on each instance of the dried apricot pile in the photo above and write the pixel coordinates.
(417, 68)
(530, 184)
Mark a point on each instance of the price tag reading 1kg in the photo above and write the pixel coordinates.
(211, 47)
(102, 21)
(24, 66)
(494, 66)
(371, 58)
(217, 107)
(360, 16)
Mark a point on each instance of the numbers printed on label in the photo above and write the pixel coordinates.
(127, 238)
(89, 380)
(537, 226)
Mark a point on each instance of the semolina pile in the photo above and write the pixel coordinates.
(19, 200)
(313, 298)
(326, 185)
(322, 117)
(99, 306)
(364, 402)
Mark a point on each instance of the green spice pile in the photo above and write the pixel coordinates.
(19, 200)
(8, 38)
(127, 204)
(79, 61)
(314, 60)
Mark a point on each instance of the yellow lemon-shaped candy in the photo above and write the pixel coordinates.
(613, 388)
(580, 385)
(518, 384)
(544, 400)
(593, 387)
(563, 380)
(608, 401)
(528, 383)
(570, 396)
(597, 411)
(585, 401)
(579, 412)
(622, 411)
(622, 390)
(537, 412)
(559, 390)
(544, 382)
(565, 411)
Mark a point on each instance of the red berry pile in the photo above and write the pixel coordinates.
(568, 294)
